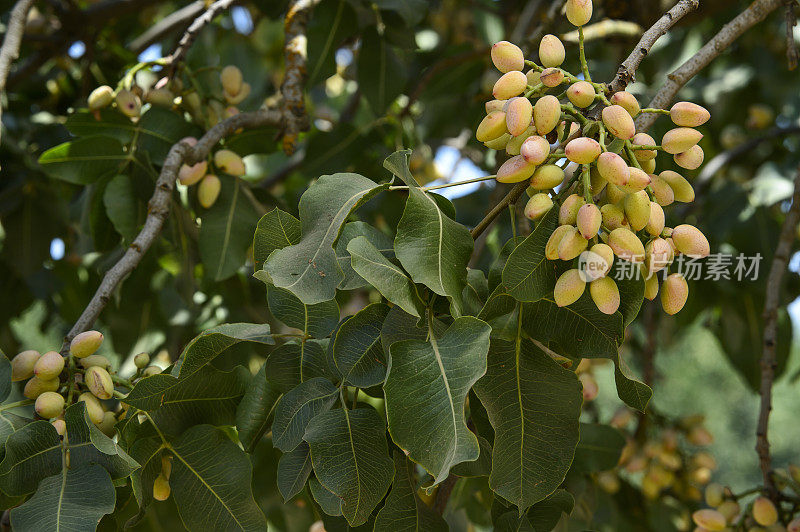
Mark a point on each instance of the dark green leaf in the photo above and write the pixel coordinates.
(403, 510)
(254, 413)
(352, 230)
(275, 230)
(528, 275)
(599, 448)
(381, 74)
(160, 128)
(122, 207)
(330, 503)
(294, 362)
(5, 377)
(316, 320)
(84, 160)
(357, 350)
(333, 21)
(210, 343)
(294, 468)
(297, 408)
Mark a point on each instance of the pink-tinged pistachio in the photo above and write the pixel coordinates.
(627, 101)
(95, 360)
(551, 248)
(650, 284)
(60, 425)
(681, 188)
(690, 241)
(764, 512)
(538, 205)
(613, 216)
(515, 143)
(643, 139)
(661, 191)
(568, 213)
(658, 255)
(495, 105)
(626, 245)
(128, 103)
(579, 12)
(572, 245)
(618, 122)
(49, 366)
(603, 257)
(509, 85)
(236, 99)
(514, 170)
(589, 388)
(99, 382)
(551, 77)
(546, 114)
(615, 194)
(638, 180)
(22, 365)
(500, 143)
(231, 79)
(100, 97)
(637, 209)
(581, 94)
(93, 407)
(656, 222)
(535, 149)
(85, 344)
(491, 127)
(49, 405)
(533, 77)
(690, 159)
(229, 162)
(613, 168)
(680, 139)
(569, 288)
(551, 51)
(547, 176)
(583, 150)
(36, 387)
(189, 175)
(674, 293)
(605, 295)
(507, 57)
(688, 114)
(518, 115)
(589, 219)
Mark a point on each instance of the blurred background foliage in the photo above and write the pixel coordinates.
(386, 75)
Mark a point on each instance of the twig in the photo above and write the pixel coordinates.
(627, 70)
(768, 360)
(175, 58)
(751, 16)
(791, 20)
(295, 56)
(179, 19)
(12, 41)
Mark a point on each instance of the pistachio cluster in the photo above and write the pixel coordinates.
(206, 112)
(585, 139)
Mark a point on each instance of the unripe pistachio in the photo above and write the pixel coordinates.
(569, 288)
(208, 190)
(690, 241)
(583, 150)
(93, 407)
(581, 94)
(572, 245)
(681, 188)
(95, 360)
(568, 213)
(662, 191)
(551, 248)
(128, 103)
(650, 284)
(149, 371)
(579, 12)
(85, 344)
(229, 162)
(615, 194)
(491, 127)
(100, 97)
(613, 168)
(515, 143)
(161, 489)
(608, 482)
(36, 387)
(509, 85)
(657, 219)
(141, 360)
(535, 149)
(643, 139)
(648, 167)
(99, 382)
(49, 405)
(730, 509)
(60, 425)
(690, 159)
(22, 365)
(518, 115)
(547, 176)
(507, 57)
(162, 97)
(589, 220)
(708, 519)
(49, 366)
(551, 77)
(627, 101)
(231, 79)
(637, 209)
(714, 494)
(680, 139)
(107, 425)
(189, 175)
(533, 77)
(192, 102)
(626, 245)
(759, 116)
(546, 114)
(561, 130)
(166, 465)
(658, 254)
(688, 114)
(674, 293)
(537, 206)
(604, 258)
(551, 51)
(605, 295)
(495, 105)
(613, 216)
(236, 99)
(764, 512)
(514, 170)
(638, 180)
(618, 122)
(794, 525)
(500, 143)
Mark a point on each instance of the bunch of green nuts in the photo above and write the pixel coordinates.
(561, 129)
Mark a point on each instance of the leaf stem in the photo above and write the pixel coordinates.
(447, 185)
(584, 64)
(158, 430)
(654, 110)
(24, 402)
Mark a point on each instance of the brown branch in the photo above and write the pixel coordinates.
(751, 16)
(627, 70)
(9, 52)
(178, 19)
(768, 360)
(295, 56)
(178, 55)
(791, 20)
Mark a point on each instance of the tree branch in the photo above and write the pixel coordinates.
(178, 55)
(751, 16)
(791, 20)
(768, 360)
(178, 19)
(9, 52)
(295, 56)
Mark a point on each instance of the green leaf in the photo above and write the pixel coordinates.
(534, 405)
(146, 451)
(351, 459)
(210, 343)
(475, 293)
(332, 22)
(317, 320)
(294, 362)
(412, 11)
(297, 408)
(84, 160)
(403, 510)
(254, 413)
(330, 503)
(357, 350)
(122, 207)
(381, 74)
(5, 377)
(634, 393)
(9, 424)
(546, 514)
(226, 230)
(599, 448)
(310, 269)
(159, 128)
(426, 386)
(210, 482)
(398, 326)
(112, 123)
(275, 230)
(73, 501)
(528, 275)
(390, 280)
(294, 468)
(352, 230)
